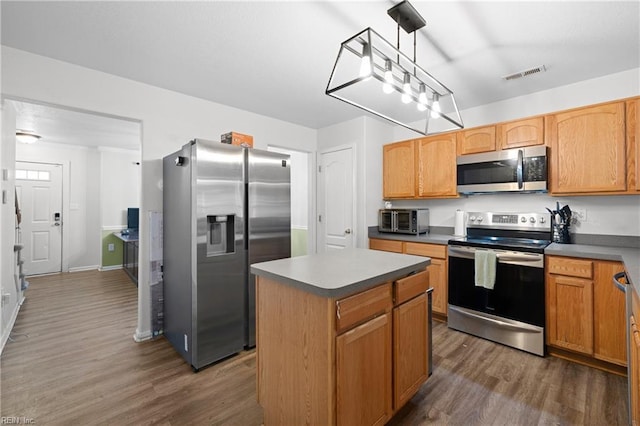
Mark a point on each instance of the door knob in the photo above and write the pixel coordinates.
(347, 231)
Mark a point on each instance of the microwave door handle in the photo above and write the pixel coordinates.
(519, 169)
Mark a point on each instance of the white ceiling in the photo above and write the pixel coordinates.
(70, 127)
(275, 58)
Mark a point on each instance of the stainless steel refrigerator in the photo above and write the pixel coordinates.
(224, 208)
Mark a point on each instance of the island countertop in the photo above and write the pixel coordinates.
(340, 273)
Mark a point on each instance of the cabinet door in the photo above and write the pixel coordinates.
(587, 149)
(633, 144)
(438, 272)
(609, 317)
(410, 349)
(398, 164)
(570, 313)
(521, 133)
(363, 374)
(634, 370)
(385, 245)
(438, 278)
(437, 166)
(482, 139)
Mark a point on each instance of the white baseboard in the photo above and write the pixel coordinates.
(109, 268)
(141, 336)
(12, 321)
(84, 268)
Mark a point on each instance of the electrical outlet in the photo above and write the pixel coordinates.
(580, 215)
(5, 298)
(111, 247)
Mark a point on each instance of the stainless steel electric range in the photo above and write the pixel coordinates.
(512, 312)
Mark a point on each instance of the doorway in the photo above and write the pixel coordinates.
(100, 158)
(336, 200)
(302, 241)
(39, 196)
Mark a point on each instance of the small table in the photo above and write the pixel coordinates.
(129, 253)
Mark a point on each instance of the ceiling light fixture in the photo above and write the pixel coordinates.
(366, 61)
(26, 136)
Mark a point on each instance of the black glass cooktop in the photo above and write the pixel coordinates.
(503, 243)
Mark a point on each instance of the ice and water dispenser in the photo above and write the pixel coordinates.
(221, 234)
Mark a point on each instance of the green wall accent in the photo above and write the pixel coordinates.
(298, 242)
(111, 258)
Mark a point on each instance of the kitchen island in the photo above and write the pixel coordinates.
(342, 337)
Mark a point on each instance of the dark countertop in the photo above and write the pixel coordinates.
(340, 273)
(629, 256)
(422, 238)
(131, 237)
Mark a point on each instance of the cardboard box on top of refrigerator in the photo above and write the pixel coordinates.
(235, 138)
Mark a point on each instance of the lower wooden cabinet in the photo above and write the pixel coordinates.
(410, 341)
(634, 362)
(570, 313)
(363, 374)
(438, 270)
(355, 360)
(585, 311)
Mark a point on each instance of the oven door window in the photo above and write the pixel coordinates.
(404, 221)
(518, 292)
(499, 171)
(386, 222)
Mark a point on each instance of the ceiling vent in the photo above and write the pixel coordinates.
(525, 73)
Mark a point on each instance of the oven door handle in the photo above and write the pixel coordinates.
(502, 257)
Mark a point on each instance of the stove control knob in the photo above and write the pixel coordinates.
(479, 218)
(542, 219)
(532, 219)
(523, 219)
(472, 218)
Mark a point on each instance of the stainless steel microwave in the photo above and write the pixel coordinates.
(509, 170)
(403, 221)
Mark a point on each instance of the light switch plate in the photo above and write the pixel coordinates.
(5, 174)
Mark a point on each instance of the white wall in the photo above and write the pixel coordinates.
(120, 185)
(169, 120)
(9, 309)
(81, 199)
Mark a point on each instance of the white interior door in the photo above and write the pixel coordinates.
(39, 190)
(336, 201)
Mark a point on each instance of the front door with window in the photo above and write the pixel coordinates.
(39, 192)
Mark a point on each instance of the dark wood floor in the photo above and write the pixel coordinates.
(73, 361)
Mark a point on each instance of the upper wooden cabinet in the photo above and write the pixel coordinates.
(437, 166)
(473, 141)
(420, 168)
(587, 149)
(399, 174)
(633, 144)
(517, 134)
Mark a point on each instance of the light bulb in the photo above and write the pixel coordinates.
(422, 98)
(387, 86)
(406, 88)
(435, 106)
(365, 63)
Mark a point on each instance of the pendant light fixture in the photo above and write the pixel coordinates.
(374, 75)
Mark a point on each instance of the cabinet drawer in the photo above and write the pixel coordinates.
(429, 250)
(570, 266)
(360, 307)
(386, 245)
(409, 287)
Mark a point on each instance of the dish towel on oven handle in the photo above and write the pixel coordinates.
(485, 263)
